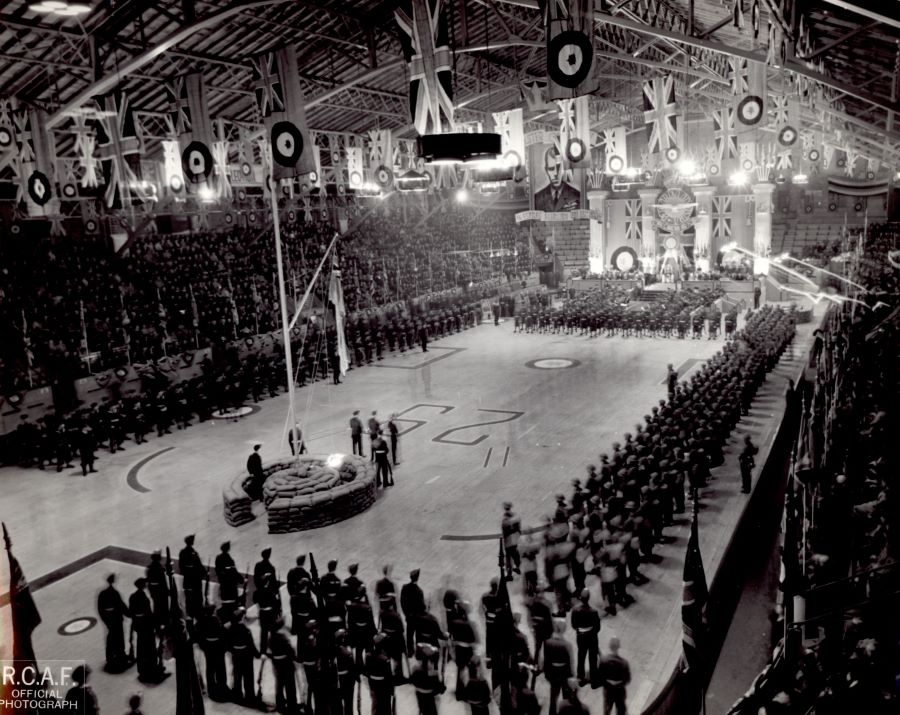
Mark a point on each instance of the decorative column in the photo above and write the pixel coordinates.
(762, 227)
(597, 253)
(703, 227)
(648, 229)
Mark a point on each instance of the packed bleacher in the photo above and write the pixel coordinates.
(841, 654)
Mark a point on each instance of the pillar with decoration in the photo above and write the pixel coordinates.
(762, 226)
(597, 246)
(703, 227)
(648, 229)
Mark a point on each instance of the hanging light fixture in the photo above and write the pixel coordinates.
(459, 147)
(63, 8)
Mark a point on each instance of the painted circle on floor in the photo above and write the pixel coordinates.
(552, 363)
(77, 626)
(235, 412)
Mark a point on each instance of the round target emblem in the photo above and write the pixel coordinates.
(383, 176)
(90, 226)
(69, 191)
(858, 206)
(246, 169)
(813, 154)
(512, 159)
(292, 216)
(750, 110)
(251, 217)
(615, 164)
(287, 143)
(870, 175)
(15, 229)
(340, 189)
(355, 179)
(335, 157)
(6, 138)
(229, 219)
(39, 188)
(787, 136)
(832, 206)
(747, 164)
(624, 259)
(196, 162)
(313, 176)
(575, 150)
(242, 195)
(672, 154)
(176, 184)
(842, 162)
(569, 58)
(286, 190)
(714, 170)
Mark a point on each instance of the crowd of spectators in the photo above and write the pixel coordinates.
(845, 483)
(72, 307)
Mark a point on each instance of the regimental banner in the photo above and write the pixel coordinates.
(381, 157)
(189, 112)
(570, 48)
(722, 215)
(424, 40)
(574, 132)
(661, 115)
(281, 104)
(120, 142)
(36, 166)
(615, 150)
(355, 168)
(749, 92)
(510, 125)
(7, 134)
(724, 134)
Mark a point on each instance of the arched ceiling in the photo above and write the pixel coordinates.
(355, 79)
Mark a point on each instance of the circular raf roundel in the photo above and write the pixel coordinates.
(832, 206)
(335, 157)
(242, 195)
(787, 136)
(313, 176)
(615, 164)
(383, 176)
(286, 190)
(292, 216)
(287, 143)
(714, 170)
(870, 175)
(6, 138)
(196, 161)
(15, 229)
(671, 243)
(624, 259)
(176, 184)
(858, 206)
(672, 154)
(246, 169)
(747, 164)
(842, 162)
(355, 179)
(229, 218)
(39, 188)
(575, 150)
(552, 363)
(251, 217)
(340, 188)
(69, 191)
(808, 208)
(90, 226)
(813, 154)
(569, 58)
(750, 110)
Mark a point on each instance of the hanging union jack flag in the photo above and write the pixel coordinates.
(267, 85)
(722, 213)
(424, 40)
(660, 112)
(121, 140)
(724, 133)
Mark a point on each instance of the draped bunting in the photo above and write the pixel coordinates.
(172, 171)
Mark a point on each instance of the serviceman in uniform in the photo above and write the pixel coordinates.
(158, 585)
(426, 681)
(395, 436)
(113, 611)
(616, 675)
(268, 600)
(356, 430)
(229, 580)
(262, 568)
(192, 571)
(347, 673)
(511, 528)
(384, 475)
(747, 463)
(243, 653)
(283, 664)
(557, 662)
(374, 430)
(386, 591)
(381, 681)
(586, 623)
(212, 637)
(360, 625)
(490, 607)
(142, 623)
(412, 602)
(296, 575)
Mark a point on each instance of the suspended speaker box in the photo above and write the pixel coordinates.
(457, 147)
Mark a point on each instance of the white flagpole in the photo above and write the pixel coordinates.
(87, 352)
(285, 327)
(312, 281)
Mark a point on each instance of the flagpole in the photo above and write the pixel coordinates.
(87, 352)
(299, 309)
(285, 327)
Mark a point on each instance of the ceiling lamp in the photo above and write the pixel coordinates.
(459, 147)
(412, 181)
(60, 7)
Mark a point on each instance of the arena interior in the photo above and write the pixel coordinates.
(449, 356)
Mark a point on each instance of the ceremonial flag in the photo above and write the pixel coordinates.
(117, 124)
(16, 626)
(660, 113)
(570, 48)
(693, 604)
(336, 296)
(510, 126)
(724, 133)
(425, 44)
(188, 692)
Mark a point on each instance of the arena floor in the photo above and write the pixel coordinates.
(489, 416)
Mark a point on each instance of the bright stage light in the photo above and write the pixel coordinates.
(462, 196)
(687, 167)
(728, 247)
(206, 194)
(738, 178)
(800, 179)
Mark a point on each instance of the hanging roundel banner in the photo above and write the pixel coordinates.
(813, 154)
(575, 150)
(672, 154)
(747, 164)
(229, 219)
(808, 208)
(340, 188)
(6, 138)
(750, 110)
(69, 191)
(714, 170)
(15, 229)
(176, 184)
(196, 161)
(858, 206)
(39, 188)
(569, 58)
(842, 162)
(832, 206)
(287, 143)
(615, 164)
(383, 176)
(787, 136)
(870, 175)
(291, 216)
(246, 169)
(241, 195)
(335, 157)
(286, 190)
(624, 259)
(251, 217)
(356, 180)
(90, 225)
(313, 176)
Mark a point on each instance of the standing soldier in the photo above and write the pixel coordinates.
(158, 585)
(374, 430)
(360, 625)
(296, 575)
(616, 676)
(541, 625)
(347, 673)
(192, 571)
(557, 662)
(386, 591)
(392, 628)
(586, 622)
(86, 447)
(243, 653)
(255, 470)
(395, 435)
(212, 635)
(356, 430)
(262, 569)
(671, 380)
(477, 691)
(149, 670)
(462, 633)
(530, 551)
(381, 682)
(283, 665)
(229, 580)
(113, 611)
(384, 475)
(412, 602)
(490, 607)
(426, 681)
(268, 600)
(747, 463)
(511, 528)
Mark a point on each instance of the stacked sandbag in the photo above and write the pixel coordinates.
(237, 505)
